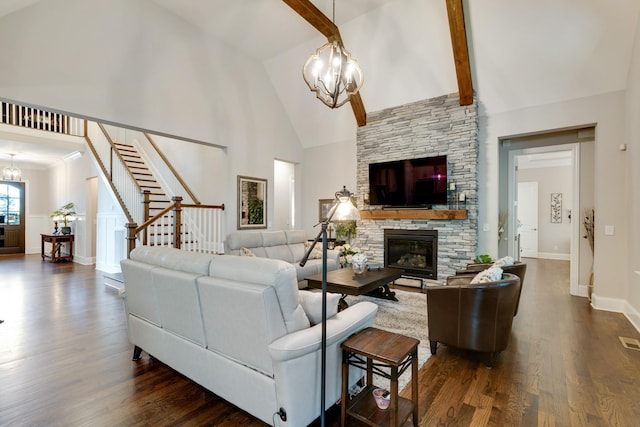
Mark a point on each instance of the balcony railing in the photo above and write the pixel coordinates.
(33, 118)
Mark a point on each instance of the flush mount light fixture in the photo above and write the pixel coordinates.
(332, 74)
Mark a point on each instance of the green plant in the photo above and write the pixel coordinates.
(256, 211)
(346, 229)
(483, 259)
(63, 213)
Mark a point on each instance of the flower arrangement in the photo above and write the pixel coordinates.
(347, 253)
(359, 258)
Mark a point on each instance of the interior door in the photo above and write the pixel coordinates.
(11, 217)
(528, 219)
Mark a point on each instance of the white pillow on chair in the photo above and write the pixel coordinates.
(491, 274)
(311, 303)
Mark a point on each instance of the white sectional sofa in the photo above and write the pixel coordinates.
(287, 245)
(235, 326)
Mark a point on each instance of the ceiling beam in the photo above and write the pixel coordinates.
(460, 51)
(327, 28)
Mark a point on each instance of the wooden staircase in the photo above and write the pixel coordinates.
(158, 199)
(155, 198)
(154, 215)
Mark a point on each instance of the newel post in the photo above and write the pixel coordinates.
(131, 237)
(146, 195)
(177, 220)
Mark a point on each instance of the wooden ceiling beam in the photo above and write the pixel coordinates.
(460, 51)
(327, 28)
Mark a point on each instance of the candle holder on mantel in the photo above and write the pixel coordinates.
(462, 201)
(452, 195)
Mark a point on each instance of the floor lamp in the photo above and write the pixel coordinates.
(344, 210)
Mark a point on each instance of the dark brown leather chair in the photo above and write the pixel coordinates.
(518, 268)
(472, 317)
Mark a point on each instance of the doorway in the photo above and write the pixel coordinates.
(527, 215)
(12, 217)
(284, 178)
(544, 184)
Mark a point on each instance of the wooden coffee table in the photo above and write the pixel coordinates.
(344, 281)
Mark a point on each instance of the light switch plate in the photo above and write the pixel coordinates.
(609, 230)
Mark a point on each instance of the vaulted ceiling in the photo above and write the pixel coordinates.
(522, 53)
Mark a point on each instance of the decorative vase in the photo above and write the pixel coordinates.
(358, 267)
(65, 230)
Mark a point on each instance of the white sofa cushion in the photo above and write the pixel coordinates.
(140, 299)
(279, 274)
(189, 262)
(241, 320)
(177, 295)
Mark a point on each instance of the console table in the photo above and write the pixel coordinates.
(57, 242)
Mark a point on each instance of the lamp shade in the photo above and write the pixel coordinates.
(346, 211)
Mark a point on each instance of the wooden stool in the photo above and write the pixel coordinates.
(388, 355)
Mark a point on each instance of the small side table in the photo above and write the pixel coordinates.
(56, 247)
(388, 355)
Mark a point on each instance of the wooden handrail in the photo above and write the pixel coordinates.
(114, 149)
(172, 169)
(186, 205)
(104, 171)
(154, 218)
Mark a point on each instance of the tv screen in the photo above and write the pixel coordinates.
(410, 183)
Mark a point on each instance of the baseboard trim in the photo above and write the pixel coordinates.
(633, 315)
(84, 260)
(554, 255)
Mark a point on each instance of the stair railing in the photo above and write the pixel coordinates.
(114, 167)
(172, 169)
(189, 227)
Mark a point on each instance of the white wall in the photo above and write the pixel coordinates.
(607, 112)
(326, 169)
(132, 62)
(632, 158)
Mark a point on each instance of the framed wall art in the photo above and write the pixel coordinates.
(324, 206)
(556, 208)
(252, 202)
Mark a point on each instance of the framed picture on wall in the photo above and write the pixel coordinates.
(556, 208)
(324, 206)
(252, 202)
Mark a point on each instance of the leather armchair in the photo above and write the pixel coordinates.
(518, 268)
(472, 317)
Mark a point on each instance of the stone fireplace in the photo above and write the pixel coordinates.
(432, 127)
(414, 251)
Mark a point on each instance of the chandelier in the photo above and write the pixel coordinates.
(332, 74)
(11, 173)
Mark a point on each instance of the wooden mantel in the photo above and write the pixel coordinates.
(413, 214)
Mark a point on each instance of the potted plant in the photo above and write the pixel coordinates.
(64, 214)
(346, 229)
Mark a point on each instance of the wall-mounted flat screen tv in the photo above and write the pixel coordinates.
(409, 183)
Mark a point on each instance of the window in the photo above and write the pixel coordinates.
(10, 203)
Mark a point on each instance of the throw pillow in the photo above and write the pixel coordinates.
(316, 253)
(246, 252)
(491, 274)
(504, 261)
(311, 303)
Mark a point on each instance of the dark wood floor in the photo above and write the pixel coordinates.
(65, 361)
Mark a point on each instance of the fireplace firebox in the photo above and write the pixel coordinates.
(414, 251)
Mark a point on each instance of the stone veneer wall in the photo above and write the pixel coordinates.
(438, 126)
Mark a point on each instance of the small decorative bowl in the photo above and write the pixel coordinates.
(382, 398)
